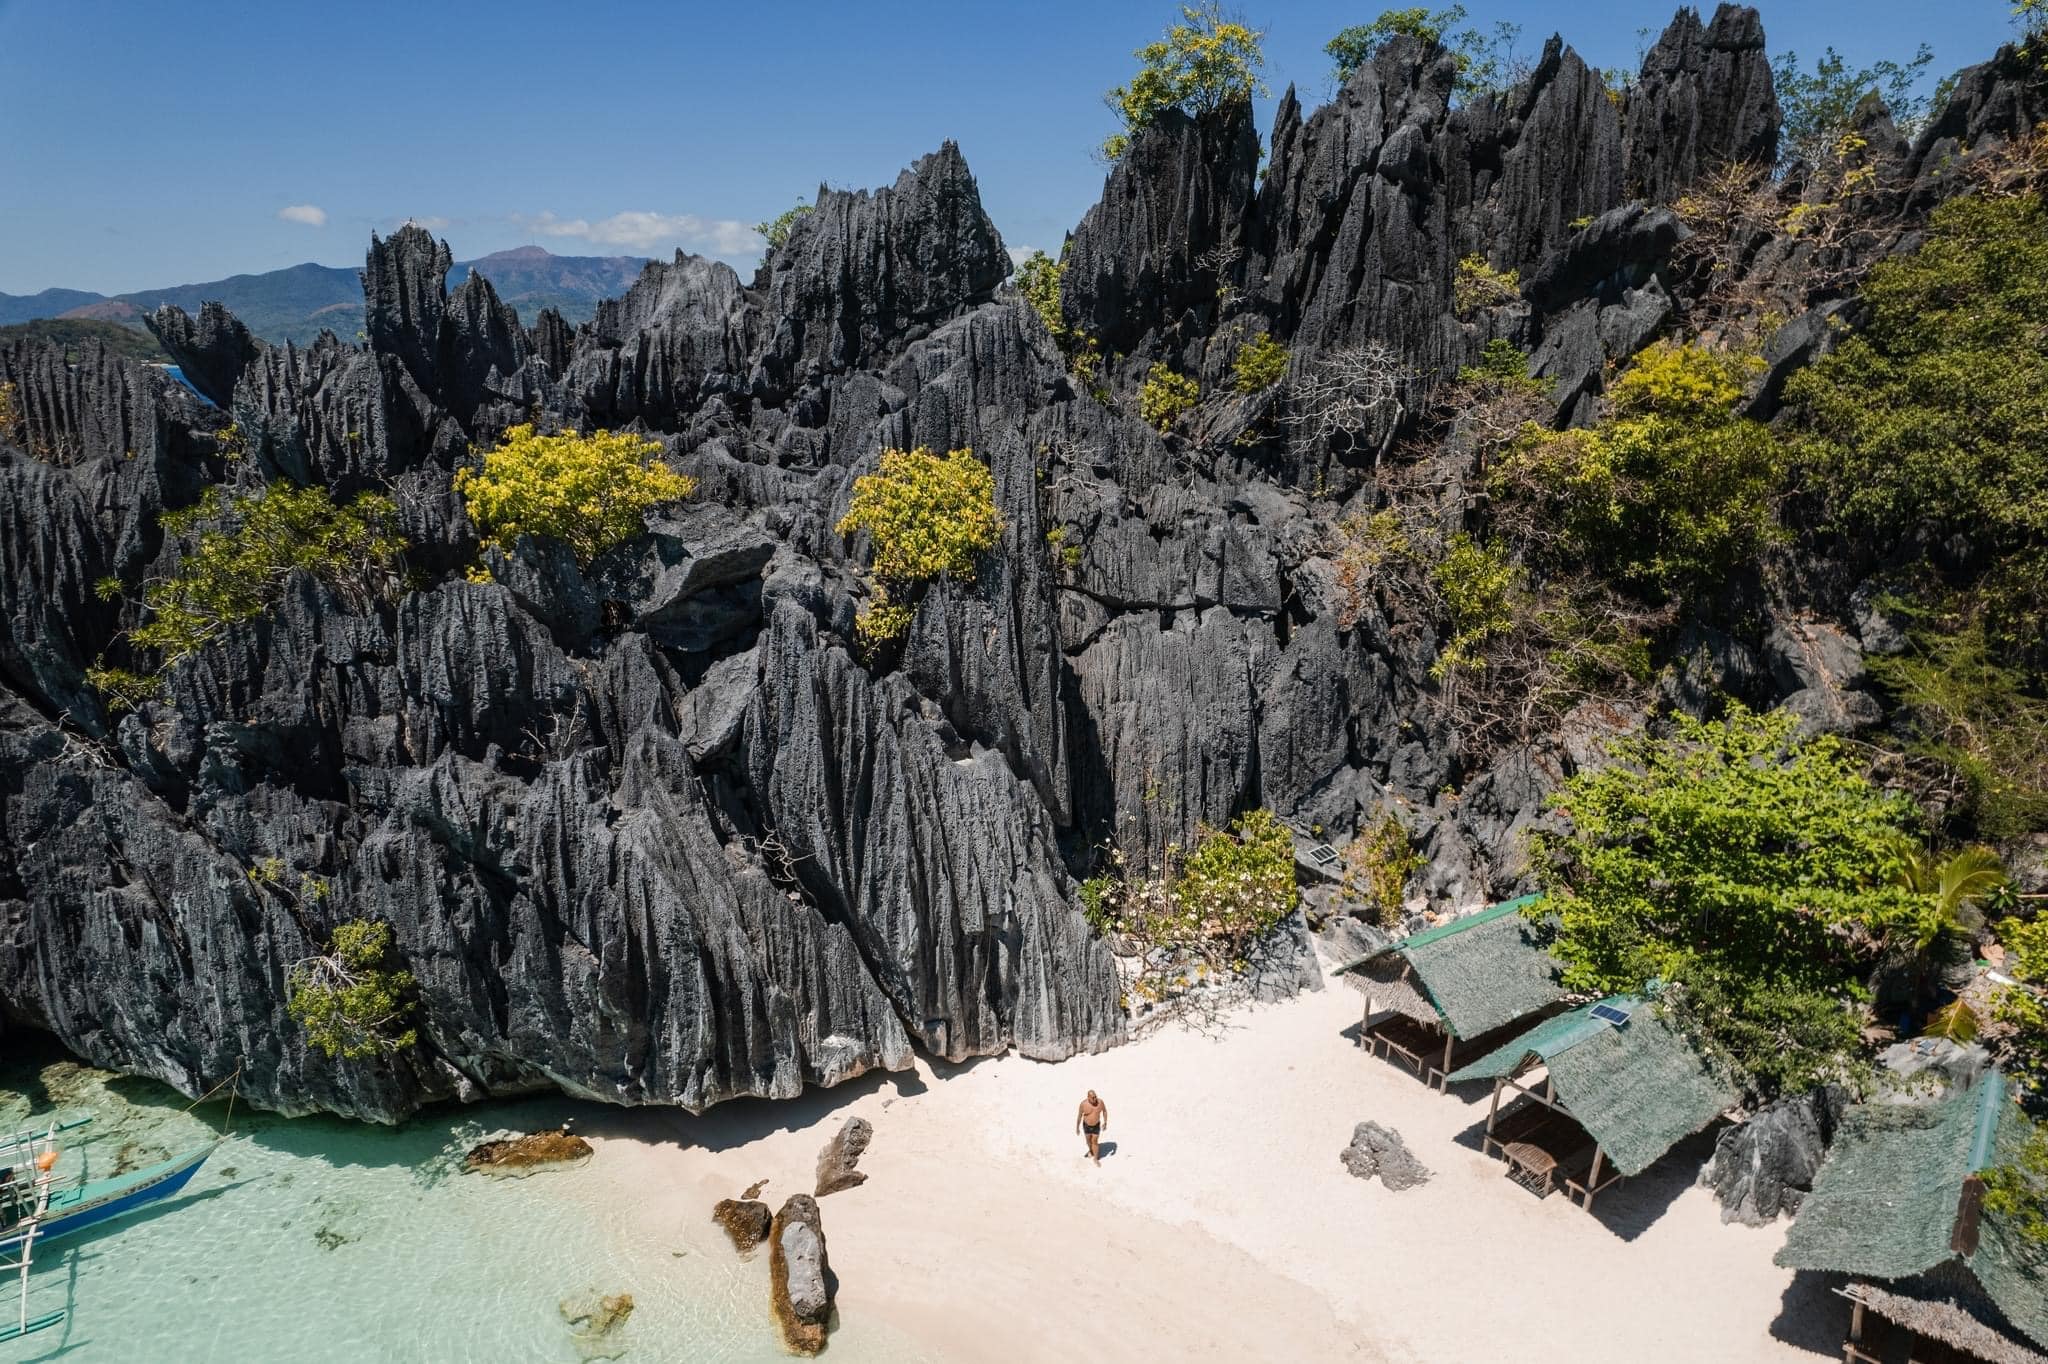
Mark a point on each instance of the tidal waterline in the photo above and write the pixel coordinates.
(315, 1239)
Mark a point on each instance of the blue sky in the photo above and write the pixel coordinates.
(150, 144)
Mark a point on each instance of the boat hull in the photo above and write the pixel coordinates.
(103, 1200)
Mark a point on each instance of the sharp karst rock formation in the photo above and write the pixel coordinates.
(652, 831)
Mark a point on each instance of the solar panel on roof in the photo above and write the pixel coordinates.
(1611, 1013)
(1322, 854)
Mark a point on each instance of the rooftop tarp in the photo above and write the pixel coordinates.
(1481, 972)
(1638, 1088)
(1885, 1203)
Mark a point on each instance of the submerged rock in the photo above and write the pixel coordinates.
(745, 1220)
(550, 1149)
(594, 1319)
(801, 1283)
(1377, 1151)
(841, 1154)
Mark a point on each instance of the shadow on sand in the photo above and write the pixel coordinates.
(1632, 1207)
(1812, 1317)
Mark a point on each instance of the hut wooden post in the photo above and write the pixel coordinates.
(1593, 1178)
(1850, 1352)
(1444, 1075)
(1493, 1111)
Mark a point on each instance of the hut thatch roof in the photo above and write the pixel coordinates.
(1470, 976)
(1638, 1088)
(1886, 1202)
(1935, 1312)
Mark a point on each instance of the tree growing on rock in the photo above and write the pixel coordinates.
(1750, 875)
(350, 1000)
(1208, 61)
(589, 492)
(927, 516)
(1486, 62)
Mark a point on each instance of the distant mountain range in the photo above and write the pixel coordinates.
(298, 302)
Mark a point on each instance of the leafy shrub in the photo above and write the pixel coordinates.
(1478, 285)
(589, 492)
(1261, 363)
(1502, 365)
(2023, 1006)
(1364, 546)
(122, 690)
(2017, 1187)
(1674, 489)
(1478, 584)
(247, 547)
(776, 229)
(1038, 284)
(1971, 712)
(350, 1001)
(927, 515)
(1752, 873)
(1377, 865)
(1204, 63)
(1931, 422)
(1485, 62)
(1165, 395)
(1238, 885)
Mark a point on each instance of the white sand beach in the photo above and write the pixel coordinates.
(1221, 1224)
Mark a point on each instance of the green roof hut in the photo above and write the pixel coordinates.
(1601, 1093)
(1454, 991)
(1898, 1207)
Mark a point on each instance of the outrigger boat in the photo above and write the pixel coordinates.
(38, 1205)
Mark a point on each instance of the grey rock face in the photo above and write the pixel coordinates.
(1378, 1152)
(1763, 1167)
(802, 1285)
(211, 353)
(837, 1160)
(1704, 99)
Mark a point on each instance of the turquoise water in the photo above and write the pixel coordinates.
(314, 1240)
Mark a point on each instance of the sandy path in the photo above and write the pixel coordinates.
(1222, 1225)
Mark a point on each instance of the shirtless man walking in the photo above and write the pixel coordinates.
(1092, 1121)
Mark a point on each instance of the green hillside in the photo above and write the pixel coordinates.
(75, 332)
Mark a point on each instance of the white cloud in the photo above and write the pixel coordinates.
(643, 231)
(1020, 254)
(312, 215)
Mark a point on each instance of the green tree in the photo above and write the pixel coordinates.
(1818, 104)
(1485, 61)
(927, 516)
(350, 1000)
(589, 492)
(776, 230)
(1674, 489)
(1206, 62)
(1238, 885)
(2023, 1005)
(1931, 423)
(241, 551)
(1479, 586)
(1750, 874)
(1038, 284)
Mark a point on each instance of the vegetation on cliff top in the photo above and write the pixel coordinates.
(1205, 63)
(589, 492)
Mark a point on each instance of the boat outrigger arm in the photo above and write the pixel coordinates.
(37, 1205)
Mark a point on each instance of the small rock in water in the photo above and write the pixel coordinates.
(594, 1319)
(841, 1154)
(551, 1149)
(800, 1276)
(754, 1189)
(1376, 1150)
(744, 1220)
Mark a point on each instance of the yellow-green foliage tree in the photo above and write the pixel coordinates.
(1165, 395)
(1478, 285)
(1038, 284)
(927, 515)
(1479, 586)
(589, 492)
(1238, 885)
(1204, 63)
(350, 1000)
(776, 230)
(1673, 490)
(247, 547)
(1261, 363)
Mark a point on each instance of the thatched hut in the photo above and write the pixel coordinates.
(1450, 993)
(1899, 1208)
(1600, 1093)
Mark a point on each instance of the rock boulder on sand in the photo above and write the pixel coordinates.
(549, 1149)
(800, 1276)
(841, 1154)
(1376, 1150)
(745, 1220)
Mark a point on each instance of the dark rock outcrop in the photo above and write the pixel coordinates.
(211, 353)
(836, 1162)
(1763, 1167)
(746, 1221)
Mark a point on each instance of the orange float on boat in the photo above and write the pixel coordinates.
(47, 1161)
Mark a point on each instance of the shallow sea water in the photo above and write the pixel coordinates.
(315, 1240)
